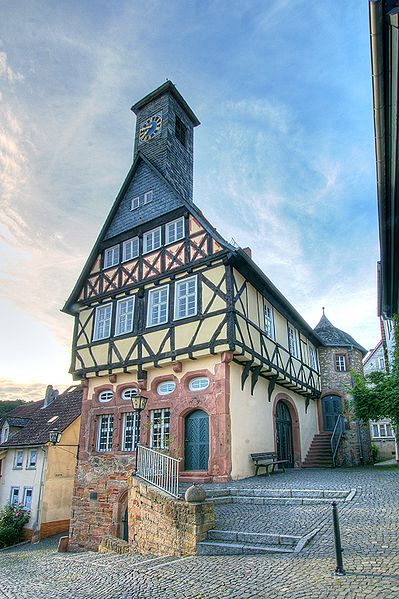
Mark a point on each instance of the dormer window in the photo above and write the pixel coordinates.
(148, 197)
(111, 256)
(181, 131)
(5, 433)
(135, 203)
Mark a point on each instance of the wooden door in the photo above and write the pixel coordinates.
(196, 446)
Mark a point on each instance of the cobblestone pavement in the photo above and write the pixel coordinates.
(370, 536)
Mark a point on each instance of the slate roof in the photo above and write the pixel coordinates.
(66, 406)
(19, 422)
(333, 337)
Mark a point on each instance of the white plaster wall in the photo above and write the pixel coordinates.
(252, 428)
(12, 477)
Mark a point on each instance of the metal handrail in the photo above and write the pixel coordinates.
(336, 436)
(158, 469)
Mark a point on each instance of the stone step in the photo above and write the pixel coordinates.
(254, 538)
(261, 495)
(227, 548)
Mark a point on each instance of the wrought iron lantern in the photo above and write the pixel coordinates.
(54, 436)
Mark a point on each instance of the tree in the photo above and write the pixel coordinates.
(376, 395)
(8, 405)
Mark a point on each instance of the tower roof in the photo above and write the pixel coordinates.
(167, 87)
(333, 337)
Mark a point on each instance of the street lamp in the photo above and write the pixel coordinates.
(139, 402)
(55, 438)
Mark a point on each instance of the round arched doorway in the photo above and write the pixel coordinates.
(196, 441)
(284, 440)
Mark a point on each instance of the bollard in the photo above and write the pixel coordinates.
(339, 570)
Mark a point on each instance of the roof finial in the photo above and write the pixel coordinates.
(323, 310)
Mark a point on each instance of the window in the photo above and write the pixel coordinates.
(111, 256)
(52, 419)
(340, 362)
(129, 442)
(27, 497)
(292, 341)
(201, 382)
(14, 495)
(124, 316)
(32, 459)
(130, 249)
(312, 357)
(269, 321)
(5, 433)
(102, 325)
(376, 430)
(135, 203)
(148, 197)
(381, 363)
(127, 394)
(159, 432)
(152, 240)
(105, 432)
(157, 306)
(186, 298)
(19, 458)
(175, 230)
(105, 396)
(166, 387)
(382, 430)
(180, 131)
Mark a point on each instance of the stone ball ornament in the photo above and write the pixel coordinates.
(195, 494)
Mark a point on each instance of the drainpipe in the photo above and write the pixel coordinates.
(37, 522)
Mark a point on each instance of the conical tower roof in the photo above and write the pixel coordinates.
(333, 337)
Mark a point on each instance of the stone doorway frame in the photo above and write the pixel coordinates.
(296, 436)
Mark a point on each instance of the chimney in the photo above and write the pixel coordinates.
(247, 251)
(50, 395)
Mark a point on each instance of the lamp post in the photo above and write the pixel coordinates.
(139, 402)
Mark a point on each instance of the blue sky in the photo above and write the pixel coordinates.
(284, 157)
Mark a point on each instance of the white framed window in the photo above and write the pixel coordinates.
(200, 382)
(27, 497)
(382, 430)
(102, 324)
(105, 432)
(340, 362)
(124, 316)
(381, 363)
(135, 203)
(129, 443)
(269, 321)
(14, 495)
(105, 396)
(174, 230)
(32, 459)
(5, 432)
(148, 196)
(166, 387)
(158, 300)
(127, 394)
(111, 256)
(130, 249)
(160, 427)
(18, 458)
(293, 341)
(312, 357)
(186, 298)
(152, 240)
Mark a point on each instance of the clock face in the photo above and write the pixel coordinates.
(151, 127)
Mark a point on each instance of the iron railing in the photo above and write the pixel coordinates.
(338, 431)
(158, 469)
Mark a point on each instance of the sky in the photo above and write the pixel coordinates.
(284, 158)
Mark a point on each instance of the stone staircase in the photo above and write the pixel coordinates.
(232, 542)
(319, 454)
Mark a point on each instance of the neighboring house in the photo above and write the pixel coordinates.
(164, 304)
(35, 473)
(382, 434)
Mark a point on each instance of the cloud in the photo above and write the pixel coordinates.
(10, 390)
(6, 71)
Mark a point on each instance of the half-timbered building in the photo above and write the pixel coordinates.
(166, 305)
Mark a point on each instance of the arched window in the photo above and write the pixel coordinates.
(200, 382)
(105, 396)
(127, 394)
(166, 387)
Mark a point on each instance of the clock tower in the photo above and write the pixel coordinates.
(164, 135)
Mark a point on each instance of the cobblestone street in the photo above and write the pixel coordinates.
(369, 528)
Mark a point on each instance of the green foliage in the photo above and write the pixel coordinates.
(7, 406)
(377, 395)
(374, 453)
(12, 520)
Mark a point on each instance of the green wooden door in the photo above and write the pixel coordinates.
(196, 445)
(331, 408)
(284, 434)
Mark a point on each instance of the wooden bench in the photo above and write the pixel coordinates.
(268, 460)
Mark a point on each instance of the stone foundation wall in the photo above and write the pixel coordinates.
(99, 500)
(161, 525)
(349, 453)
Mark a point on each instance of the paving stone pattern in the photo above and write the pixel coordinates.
(370, 533)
